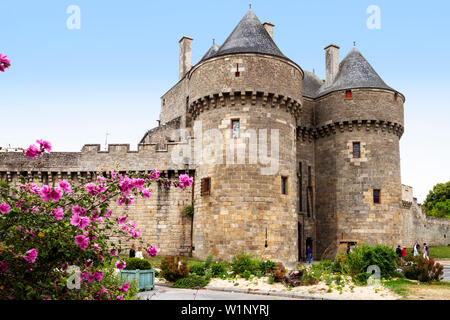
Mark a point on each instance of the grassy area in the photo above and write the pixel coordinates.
(398, 286)
(414, 290)
(436, 252)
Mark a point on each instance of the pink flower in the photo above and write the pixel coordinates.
(56, 194)
(92, 189)
(3, 266)
(138, 183)
(4, 208)
(75, 220)
(98, 276)
(77, 210)
(45, 145)
(46, 193)
(113, 252)
(122, 201)
(84, 222)
(155, 174)
(185, 181)
(58, 213)
(120, 297)
(136, 233)
(31, 255)
(103, 291)
(147, 193)
(152, 251)
(5, 63)
(82, 241)
(65, 186)
(120, 265)
(121, 220)
(32, 152)
(124, 228)
(125, 287)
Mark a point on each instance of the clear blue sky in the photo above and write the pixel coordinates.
(73, 86)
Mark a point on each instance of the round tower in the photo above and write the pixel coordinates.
(245, 99)
(359, 122)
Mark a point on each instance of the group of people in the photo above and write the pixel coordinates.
(136, 254)
(416, 251)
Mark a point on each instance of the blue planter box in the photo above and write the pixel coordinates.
(145, 278)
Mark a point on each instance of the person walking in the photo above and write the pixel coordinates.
(132, 251)
(425, 251)
(416, 249)
(139, 254)
(398, 251)
(404, 253)
(308, 254)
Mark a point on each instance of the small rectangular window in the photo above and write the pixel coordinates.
(235, 125)
(284, 186)
(206, 187)
(377, 196)
(348, 94)
(356, 150)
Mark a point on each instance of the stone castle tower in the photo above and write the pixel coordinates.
(282, 159)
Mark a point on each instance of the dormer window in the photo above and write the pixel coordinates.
(348, 94)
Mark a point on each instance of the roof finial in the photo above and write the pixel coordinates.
(354, 43)
(214, 41)
(250, 5)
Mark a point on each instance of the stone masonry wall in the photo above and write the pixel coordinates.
(160, 218)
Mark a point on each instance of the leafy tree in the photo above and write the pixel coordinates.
(437, 203)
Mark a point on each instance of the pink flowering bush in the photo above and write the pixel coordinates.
(46, 229)
(5, 63)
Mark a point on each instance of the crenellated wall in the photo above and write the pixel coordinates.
(160, 218)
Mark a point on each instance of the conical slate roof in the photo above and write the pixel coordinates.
(211, 52)
(311, 84)
(355, 72)
(250, 36)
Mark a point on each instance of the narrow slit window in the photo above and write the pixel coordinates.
(238, 73)
(377, 196)
(348, 94)
(236, 126)
(395, 96)
(284, 186)
(356, 150)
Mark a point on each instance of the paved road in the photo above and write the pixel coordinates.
(447, 272)
(164, 293)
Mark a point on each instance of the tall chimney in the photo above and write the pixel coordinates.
(185, 56)
(269, 28)
(331, 63)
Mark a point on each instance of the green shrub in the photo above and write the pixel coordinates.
(219, 269)
(243, 262)
(191, 282)
(174, 268)
(267, 267)
(137, 264)
(361, 279)
(270, 280)
(246, 274)
(308, 279)
(364, 256)
(209, 261)
(321, 269)
(418, 268)
(112, 279)
(198, 268)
